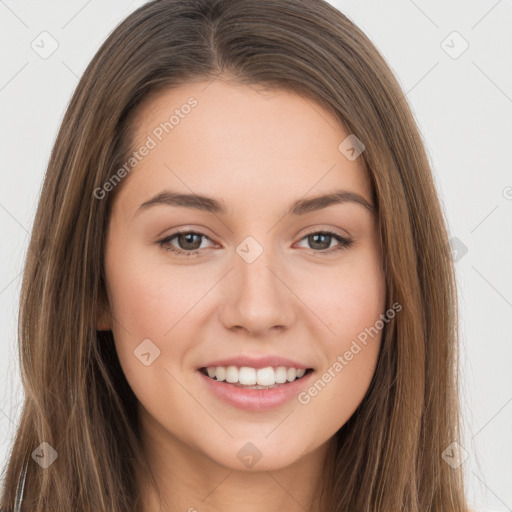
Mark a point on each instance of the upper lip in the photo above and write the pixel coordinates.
(257, 362)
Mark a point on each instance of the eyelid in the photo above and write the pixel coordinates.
(186, 231)
(332, 231)
(344, 242)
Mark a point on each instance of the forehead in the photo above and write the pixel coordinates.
(239, 142)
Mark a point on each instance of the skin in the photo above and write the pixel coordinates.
(258, 151)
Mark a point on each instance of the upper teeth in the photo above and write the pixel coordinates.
(251, 376)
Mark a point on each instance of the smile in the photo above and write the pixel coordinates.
(273, 386)
(254, 378)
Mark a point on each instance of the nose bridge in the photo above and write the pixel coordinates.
(259, 299)
(256, 266)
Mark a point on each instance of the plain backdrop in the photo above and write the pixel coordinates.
(453, 61)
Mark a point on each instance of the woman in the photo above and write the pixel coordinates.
(303, 354)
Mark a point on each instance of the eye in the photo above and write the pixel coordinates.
(187, 240)
(190, 242)
(320, 241)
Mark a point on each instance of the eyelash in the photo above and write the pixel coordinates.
(344, 243)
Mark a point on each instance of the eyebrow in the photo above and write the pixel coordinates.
(216, 206)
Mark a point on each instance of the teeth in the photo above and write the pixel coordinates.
(247, 376)
(220, 373)
(231, 374)
(281, 375)
(266, 376)
(291, 374)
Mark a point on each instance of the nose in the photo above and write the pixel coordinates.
(257, 297)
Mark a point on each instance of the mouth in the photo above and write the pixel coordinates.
(255, 378)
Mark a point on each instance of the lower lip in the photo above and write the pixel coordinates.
(256, 399)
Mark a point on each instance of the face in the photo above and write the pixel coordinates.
(243, 280)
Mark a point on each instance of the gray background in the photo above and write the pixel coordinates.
(462, 102)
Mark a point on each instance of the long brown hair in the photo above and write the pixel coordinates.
(77, 399)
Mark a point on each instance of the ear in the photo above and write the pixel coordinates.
(103, 314)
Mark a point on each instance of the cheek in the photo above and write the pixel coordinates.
(348, 299)
(148, 297)
(138, 300)
(146, 302)
(357, 337)
(149, 302)
(342, 382)
(350, 303)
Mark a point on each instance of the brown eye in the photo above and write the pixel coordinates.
(320, 241)
(189, 243)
